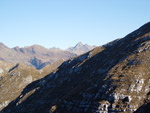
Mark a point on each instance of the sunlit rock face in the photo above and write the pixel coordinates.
(13, 79)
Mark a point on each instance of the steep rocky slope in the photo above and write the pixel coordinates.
(14, 78)
(113, 78)
(80, 48)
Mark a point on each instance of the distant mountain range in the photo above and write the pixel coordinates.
(38, 56)
(17, 67)
(114, 78)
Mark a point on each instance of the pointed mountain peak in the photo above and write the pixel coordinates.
(79, 44)
(80, 48)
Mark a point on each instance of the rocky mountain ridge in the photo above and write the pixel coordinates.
(80, 48)
(13, 75)
(108, 79)
(34, 56)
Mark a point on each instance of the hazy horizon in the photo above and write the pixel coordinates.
(46, 47)
(62, 24)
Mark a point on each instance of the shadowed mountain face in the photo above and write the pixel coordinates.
(145, 108)
(80, 48)
(113, 78)
(34, 56)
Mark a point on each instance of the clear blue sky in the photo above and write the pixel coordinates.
(63, 23)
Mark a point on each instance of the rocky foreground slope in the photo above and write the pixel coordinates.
(14, 78)
(114, 78)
